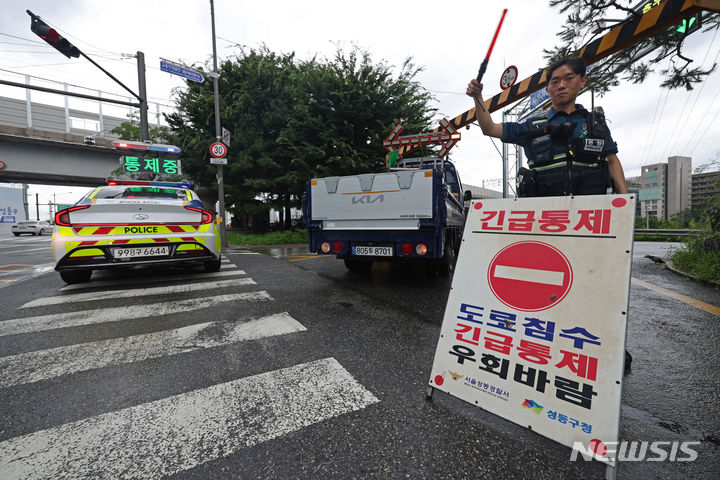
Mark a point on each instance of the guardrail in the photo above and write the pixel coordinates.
(679, 232)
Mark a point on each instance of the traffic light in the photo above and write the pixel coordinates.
(690, 25)
(52, 37)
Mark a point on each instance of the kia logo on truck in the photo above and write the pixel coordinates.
(367, 199)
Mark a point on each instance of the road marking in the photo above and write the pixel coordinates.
(107, 315)
(137, 292)
(177, 433)
(529, 275)
(310, 257)
(16, 265)
(8, 280)
(679, 296)
(28, 250)
(138, 281)
(55, 362)
(244, 253)
(5, 272)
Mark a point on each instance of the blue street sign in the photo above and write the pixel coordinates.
(181, 71)
(539, 97)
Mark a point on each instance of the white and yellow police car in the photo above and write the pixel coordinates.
(129, 223)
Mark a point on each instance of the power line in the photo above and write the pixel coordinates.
(68, 34)
(709, 124)
(702, 85)
(26, 39)
(646, 152)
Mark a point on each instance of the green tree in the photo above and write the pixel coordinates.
(584, 24)
(130, 130)
(292, 120)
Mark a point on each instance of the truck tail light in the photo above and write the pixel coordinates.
(337, 247)
(325, 247)
(421, 249)
(62, 217)
(406, 248)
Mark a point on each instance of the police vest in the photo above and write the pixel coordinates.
(560, 165)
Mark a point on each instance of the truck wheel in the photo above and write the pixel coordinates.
(357, 266)
(76, 276)
(446, 265)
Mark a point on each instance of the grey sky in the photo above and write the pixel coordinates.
(449, 40)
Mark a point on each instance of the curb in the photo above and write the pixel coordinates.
(266, 247)
(673, 269)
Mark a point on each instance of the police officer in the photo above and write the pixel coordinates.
(569, 150)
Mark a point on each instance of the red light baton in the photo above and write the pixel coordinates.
(483, 66)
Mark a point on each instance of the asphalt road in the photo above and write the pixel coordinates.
(285, 365)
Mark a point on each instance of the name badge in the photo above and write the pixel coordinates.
(594, 145)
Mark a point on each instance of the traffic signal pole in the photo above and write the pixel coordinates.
(62, 45)
(218, 133)
(144, 132)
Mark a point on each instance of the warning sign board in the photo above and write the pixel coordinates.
(534, 328)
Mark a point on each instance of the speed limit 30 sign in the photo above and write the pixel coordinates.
(218, 150)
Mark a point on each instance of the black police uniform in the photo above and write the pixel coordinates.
(566, 153)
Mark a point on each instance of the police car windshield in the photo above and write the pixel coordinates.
(131, 191)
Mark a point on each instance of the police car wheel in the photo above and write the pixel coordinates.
(76, 276)
(212, 265)
(42, 232)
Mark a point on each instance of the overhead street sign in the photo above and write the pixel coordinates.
(218, 150)
(181, 71)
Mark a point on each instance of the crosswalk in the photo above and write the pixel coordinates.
(24, 257)
(165, 436)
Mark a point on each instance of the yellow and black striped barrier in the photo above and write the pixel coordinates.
(664, 15)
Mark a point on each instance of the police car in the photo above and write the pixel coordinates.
(129, 223)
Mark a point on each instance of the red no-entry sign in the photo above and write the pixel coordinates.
(530, 276)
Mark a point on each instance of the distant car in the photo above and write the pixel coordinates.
(125, 224)
(31, 227)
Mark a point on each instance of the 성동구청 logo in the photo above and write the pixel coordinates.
(533, 406)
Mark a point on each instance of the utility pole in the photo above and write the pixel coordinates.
(37, 206)
(218, 133)
(142, 97)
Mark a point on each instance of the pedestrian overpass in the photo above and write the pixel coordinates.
(50, 145)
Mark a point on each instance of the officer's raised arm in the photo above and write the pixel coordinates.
(484, 119)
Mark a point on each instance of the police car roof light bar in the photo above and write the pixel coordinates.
(145, 147)
(148, 183)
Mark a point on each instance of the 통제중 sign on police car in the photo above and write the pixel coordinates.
(129, 223)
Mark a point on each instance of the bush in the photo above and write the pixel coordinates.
(700, 257)
(272, 238)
